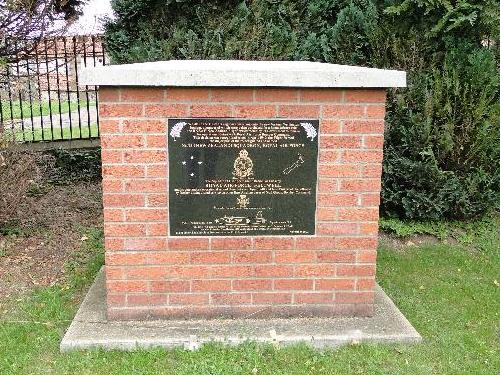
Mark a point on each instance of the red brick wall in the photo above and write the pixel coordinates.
(152, 275)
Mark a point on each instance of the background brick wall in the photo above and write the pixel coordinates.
(152, 275)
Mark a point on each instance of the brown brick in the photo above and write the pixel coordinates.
(210, 285)
(373, 141)
(368, 228)
(339, 170)
(111, 156)
(337, 256)
(366, 127)
(362, 156)
(123, 200)
(271, 270)
(337, 200)
(156, 141)
(156, 229)
(144, 126)
(365, 284)
(144, 244)
(360, 185)
(189, 299)
(156, 200)
(298, 111)
(157, 171)
(169, 257)
(210, 257)
(327, 186)
(255, 111)
(340, 141)
(294, 256)
(314, 270)
(210, 111)
(124, 229)
(274, 243)
(252, 284)
(166, 110)
(375, 111)
(109, 94)
(122, 141)
(293, 284)
(334, 284)
(314, 297)
(337, 228)
(146, 273)
(146, 156)
(365, 96)
(361, 243)
(343, 111)
(142, 94)
(232, 95)
(146, 185)
(315, 243)
(327, 214)
(358, 214)
(231, 299)
(276, 95)
(252, 256)
(119, 171)
(126, 286)
(329, 126)
(188, 243)
(108, 126)
(113, 244)
(126, 259)
(113, 214)
(321, 95)
(367, 256)
(231, 243)
(120, 110)
(179, 94)
(355, 270)
(111, 186)
(170, 286)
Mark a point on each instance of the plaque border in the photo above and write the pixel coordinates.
(243, 119)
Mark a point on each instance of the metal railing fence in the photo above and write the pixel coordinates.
(40, 96)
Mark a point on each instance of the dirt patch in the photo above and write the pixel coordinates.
(35, 252)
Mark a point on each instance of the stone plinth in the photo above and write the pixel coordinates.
(329, 270)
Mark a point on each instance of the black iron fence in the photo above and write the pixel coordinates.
(40, 97)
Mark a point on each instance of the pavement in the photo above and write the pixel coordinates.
(90, 329)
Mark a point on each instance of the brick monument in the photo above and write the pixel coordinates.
(240, 188)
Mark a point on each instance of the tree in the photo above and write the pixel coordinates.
(25, 23)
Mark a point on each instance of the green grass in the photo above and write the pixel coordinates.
(39, 108)
(450, 293)
(54, 135)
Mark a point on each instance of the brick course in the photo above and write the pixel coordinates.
(152, 275)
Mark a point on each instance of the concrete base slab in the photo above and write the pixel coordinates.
(90, 328)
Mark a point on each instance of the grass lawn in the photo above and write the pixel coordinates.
(55, 135)
(39, 108)
(449, 291)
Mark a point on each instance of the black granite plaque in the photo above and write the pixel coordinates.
(232, 177)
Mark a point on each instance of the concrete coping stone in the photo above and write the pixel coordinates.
(90, 328)
(239, 73)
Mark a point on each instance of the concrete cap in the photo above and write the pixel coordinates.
(239, 73)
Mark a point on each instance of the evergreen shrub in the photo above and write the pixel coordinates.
(442, 157)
